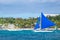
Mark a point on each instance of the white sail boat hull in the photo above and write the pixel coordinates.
(42, 31)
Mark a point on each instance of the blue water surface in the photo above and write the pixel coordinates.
(28, 35)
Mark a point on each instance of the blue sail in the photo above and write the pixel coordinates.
(37, 25)
(45, 22)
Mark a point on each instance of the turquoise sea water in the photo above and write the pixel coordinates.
(28, 35)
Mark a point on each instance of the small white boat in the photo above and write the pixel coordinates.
(42, 23)
(42, 31)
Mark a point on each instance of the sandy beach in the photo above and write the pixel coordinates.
(33, 29)
(19, 29)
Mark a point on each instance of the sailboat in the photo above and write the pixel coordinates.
(43, 23)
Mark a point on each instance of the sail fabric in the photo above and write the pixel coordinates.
(45, 22)
(37, 25)
(38, 20)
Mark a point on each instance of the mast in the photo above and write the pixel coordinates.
(40, 20)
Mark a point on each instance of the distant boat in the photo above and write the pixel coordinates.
(42, 23)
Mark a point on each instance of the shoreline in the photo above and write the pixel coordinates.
(20, 29)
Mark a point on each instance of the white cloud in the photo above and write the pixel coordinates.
(51, 14)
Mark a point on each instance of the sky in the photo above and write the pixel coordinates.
(28, 8)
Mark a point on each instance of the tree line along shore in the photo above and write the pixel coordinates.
(28, 22)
